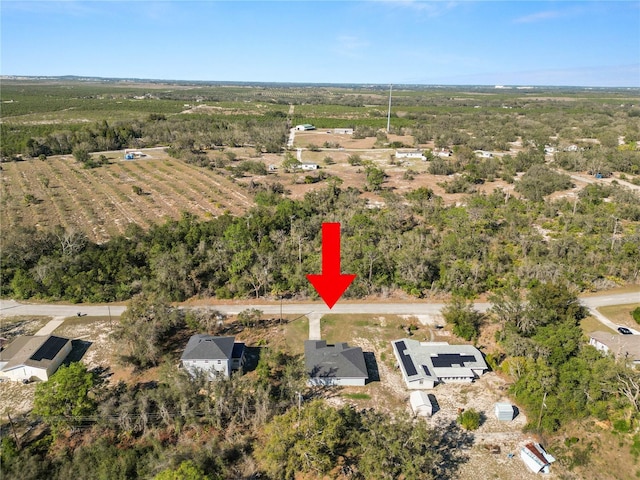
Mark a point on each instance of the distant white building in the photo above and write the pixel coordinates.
(417, 154)
(443, 152)
(342, 131)
(304, 127)
(424, 364)
(33, 357)
(215, 356)
(483, 154)
(309, 166)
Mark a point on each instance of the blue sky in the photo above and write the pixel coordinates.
(398, 41)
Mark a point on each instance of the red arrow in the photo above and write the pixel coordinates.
(330, 284)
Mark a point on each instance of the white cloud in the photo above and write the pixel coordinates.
(539, 16)
(429, 8)
(350, 45)
(559, 13)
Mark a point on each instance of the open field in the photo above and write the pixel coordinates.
(101, 202)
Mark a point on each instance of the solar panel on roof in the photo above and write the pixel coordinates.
(449, 359)
(409, 367)
(49, 349)
(426, 370)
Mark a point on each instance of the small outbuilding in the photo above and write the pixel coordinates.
(505, 412)
(305, 127)
(421, 404)
(536, 458)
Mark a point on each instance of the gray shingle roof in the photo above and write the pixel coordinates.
(208, 347)
(336, 361)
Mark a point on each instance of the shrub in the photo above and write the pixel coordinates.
(635, 313)
(469, 419)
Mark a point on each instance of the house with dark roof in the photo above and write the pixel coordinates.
(425, 364)
(215, 356)
(337, 364)
(33, 357)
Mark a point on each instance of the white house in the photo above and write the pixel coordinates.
(337, 364)
(443, 152)
(33, 357)
(424, 364)
(620, 346)
(421, 404)
(483, 154)
(309, 166)
(417, 154)
(536, 458)
(304, 127)
(215, 356)
(342, 131)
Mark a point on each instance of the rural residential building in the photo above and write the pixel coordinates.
(309, 166)
(443, 152)
(424, 364)
(417, 154)
(620, 346)
(342, 131)
(483, 154)
(337, 364)
(33, 357)
(304, 127)
(215, 356)
(536, 458)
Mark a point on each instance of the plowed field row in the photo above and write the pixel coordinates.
(101, 202)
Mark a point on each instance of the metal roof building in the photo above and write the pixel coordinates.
(33, 357)
(424, 364)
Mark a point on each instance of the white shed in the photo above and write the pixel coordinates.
(536, 458)
(421, 404)
(505, 412)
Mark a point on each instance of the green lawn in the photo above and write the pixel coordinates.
(620, 314)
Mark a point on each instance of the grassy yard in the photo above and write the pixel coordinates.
(590, 325)
(620, 314)
(374, 328)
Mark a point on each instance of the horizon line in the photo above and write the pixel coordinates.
(503, 86)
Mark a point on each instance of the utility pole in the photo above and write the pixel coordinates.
(544, 397)
(13, 429)
(615, 230)
(389, 113)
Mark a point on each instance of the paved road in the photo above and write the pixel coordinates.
(427, 313)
